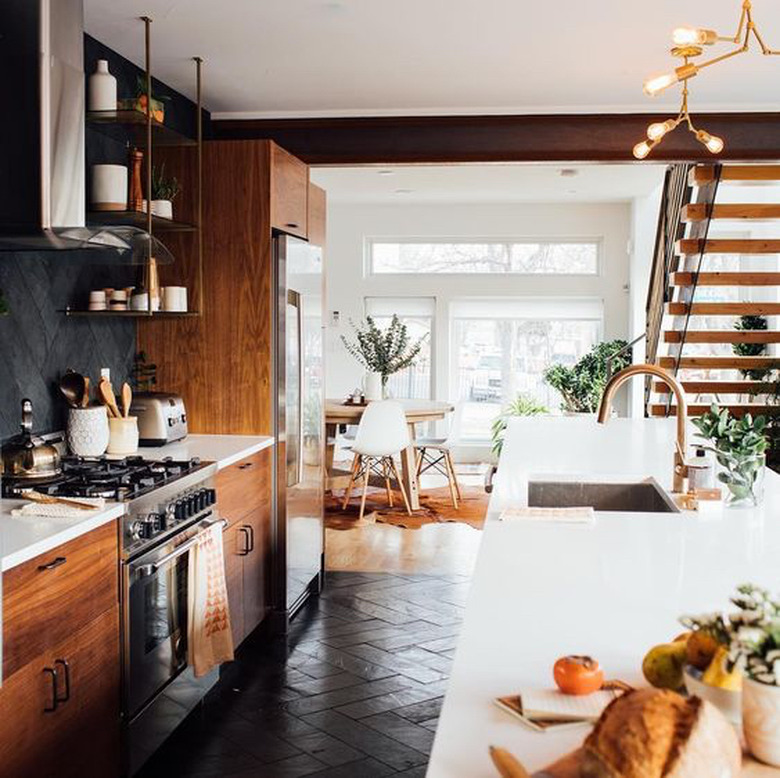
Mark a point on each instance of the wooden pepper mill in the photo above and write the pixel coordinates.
(136, 195)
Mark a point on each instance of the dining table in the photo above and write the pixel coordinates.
(339, 413)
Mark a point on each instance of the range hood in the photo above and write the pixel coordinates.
(42, 165)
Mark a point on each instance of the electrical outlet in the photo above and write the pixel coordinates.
(105, 372)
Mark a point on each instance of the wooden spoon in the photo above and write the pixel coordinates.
(127, 399)
(506, 764)
(106, 392)
(85, 398)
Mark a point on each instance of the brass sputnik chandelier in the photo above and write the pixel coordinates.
(688, 44)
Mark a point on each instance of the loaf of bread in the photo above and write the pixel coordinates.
(656, 733)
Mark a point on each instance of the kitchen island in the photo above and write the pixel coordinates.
(611, 589)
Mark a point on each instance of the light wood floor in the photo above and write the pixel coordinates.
(435, 549)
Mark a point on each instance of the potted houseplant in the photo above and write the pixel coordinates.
(750, 324)
(582, 385)
(382, 352)
(522, 405)
(164, 192)
(739, 446)
(752, 636)
(139, 102)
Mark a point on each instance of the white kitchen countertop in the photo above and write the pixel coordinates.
(612, 589)
(22, 539)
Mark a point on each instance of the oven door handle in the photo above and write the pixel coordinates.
(150, 569)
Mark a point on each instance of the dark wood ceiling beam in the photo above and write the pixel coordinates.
(541, 138)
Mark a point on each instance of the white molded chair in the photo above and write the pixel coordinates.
(382, 434)
(436, 454)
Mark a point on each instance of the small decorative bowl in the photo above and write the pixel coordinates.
(728, 702)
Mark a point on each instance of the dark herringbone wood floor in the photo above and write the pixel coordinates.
(356, 692)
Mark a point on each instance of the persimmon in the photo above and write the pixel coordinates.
(578, 674)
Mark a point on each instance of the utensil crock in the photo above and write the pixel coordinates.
(123, 436)
(87, 432)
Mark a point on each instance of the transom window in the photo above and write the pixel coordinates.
(556, 257)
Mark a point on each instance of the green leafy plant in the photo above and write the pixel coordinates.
(749, 324)
(582, 385)
(383, 351)
(752, 633)
(164, 188)
(140, 90)
(739, 446)
(522, 405)
(4, 309)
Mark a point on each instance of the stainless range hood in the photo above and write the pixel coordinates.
(42, 166)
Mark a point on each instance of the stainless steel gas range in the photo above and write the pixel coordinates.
(168, 504)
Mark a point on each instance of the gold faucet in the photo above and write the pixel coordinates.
(617, 380)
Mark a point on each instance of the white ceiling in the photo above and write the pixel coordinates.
(282, 58)
(502, 183)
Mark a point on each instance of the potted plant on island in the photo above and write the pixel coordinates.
(522, 405)
(582, 385)
(739, 446)
(382, 352)
(164, 192)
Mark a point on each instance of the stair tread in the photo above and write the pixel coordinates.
(704, 174)
(724, 278)
(723, 336)
(694, 246)
(714, 386)
(697, 409)
(724, 309)
(722, 362)
(696, 212)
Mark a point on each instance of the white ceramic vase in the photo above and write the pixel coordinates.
(109, 188)
(761, 720)
(373, 387)
(87, 432)
(102, 88)
(123, 438)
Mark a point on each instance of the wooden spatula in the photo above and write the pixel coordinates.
(106, 392)
(506, 764)
(127, 399)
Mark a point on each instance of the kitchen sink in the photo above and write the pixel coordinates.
(645, 496)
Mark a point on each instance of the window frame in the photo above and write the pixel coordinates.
(370, 242)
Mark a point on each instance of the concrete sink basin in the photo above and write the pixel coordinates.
(644, 496)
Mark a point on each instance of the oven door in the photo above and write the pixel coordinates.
(155, 642)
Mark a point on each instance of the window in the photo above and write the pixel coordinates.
(501, 348)
(417, 313)
(559, 257)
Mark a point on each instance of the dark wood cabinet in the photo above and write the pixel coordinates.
(289, 192)
(317, 218)
(59, 702)
(244, 497)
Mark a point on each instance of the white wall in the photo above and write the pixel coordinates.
(347, 285)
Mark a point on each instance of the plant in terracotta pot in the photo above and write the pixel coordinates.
(164, 191)
(582, 385)
(382, 352)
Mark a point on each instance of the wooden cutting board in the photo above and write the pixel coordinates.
(569, 767)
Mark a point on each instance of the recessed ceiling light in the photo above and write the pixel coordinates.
(387, 172)
(568, 172)
(404, 191)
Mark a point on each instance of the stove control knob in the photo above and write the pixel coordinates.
(169, 517)
(151, 525)
(211, 496)
(179, 510)
(200, 496)
(192, 505)
(135, 529)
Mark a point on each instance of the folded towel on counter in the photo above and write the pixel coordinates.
(57, 510)
(567, 515)
(209, 638)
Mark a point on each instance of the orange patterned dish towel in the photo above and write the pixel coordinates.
(209, 639)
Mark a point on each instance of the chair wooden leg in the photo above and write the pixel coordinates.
(454, 477)
(386, 473)
(450, 479)
(366, 474)
(350, 485)
(401, 486)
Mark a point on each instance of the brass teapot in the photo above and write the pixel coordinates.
(27, 456)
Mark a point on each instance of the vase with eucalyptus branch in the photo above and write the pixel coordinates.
(382, 351)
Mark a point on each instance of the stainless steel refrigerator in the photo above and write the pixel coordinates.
(299, 424)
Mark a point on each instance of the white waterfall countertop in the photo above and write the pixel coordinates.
(21, 539)
(611, 589)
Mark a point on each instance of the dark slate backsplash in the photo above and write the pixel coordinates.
(38, 342)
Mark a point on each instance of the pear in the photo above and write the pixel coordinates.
(663, 665)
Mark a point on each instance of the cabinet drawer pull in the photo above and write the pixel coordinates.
(292, 224)
(248, 546)
(246, 465)
(66, 668)
(54, 696)
(60, 560)
(251, 531)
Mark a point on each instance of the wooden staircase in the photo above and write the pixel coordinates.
(710, 283)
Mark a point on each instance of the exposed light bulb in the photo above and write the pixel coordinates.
(693, 36)
(655, 85)
(657, 130)
(643, 148)
(712, 143)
